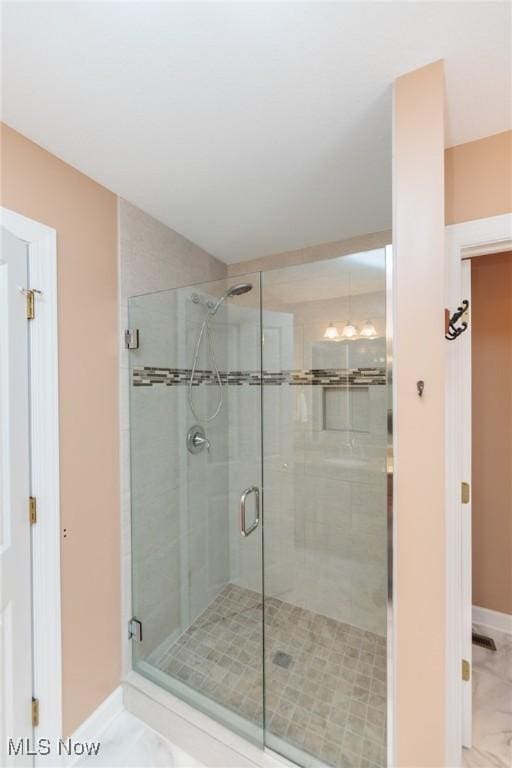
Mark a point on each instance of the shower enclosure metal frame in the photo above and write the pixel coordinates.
(391, 527)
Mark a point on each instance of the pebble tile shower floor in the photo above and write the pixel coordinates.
(325, 682)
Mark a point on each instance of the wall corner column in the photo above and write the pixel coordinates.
(419, 353)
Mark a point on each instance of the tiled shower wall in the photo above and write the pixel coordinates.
(153, 257)
(338, 470)
(324, 433)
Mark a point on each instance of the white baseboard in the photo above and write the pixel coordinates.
(492, 619)
(92, 728)
(89, 731)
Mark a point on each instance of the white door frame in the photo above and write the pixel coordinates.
(44, 437)
(472, 238)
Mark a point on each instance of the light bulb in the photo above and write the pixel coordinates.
(349, 331)
(368, 330)
(331, 332)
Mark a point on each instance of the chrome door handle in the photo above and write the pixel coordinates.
(243, 530)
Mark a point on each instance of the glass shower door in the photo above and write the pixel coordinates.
(195, 430)
(325, 412)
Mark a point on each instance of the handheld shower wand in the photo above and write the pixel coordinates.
(234, 290)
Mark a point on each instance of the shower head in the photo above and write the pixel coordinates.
(238, 290)
(234, 290)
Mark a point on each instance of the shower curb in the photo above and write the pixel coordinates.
(193, 731)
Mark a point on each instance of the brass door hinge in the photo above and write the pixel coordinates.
(32, 509)
(35, 712)
(30, 294)
(464, 493)
(30, 305)
(466, 670)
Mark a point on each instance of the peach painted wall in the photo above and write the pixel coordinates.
(479, 178)
(42, 187)
(418, 353)
(491, 336)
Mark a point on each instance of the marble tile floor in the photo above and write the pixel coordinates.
(127, 742)
(492, 704)
(325, 682)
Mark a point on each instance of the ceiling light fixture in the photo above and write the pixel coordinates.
(331, 332)
(349, 331)
(368, 330)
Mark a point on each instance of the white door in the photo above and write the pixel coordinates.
(15, 534)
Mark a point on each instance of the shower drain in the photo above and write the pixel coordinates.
(282, 659)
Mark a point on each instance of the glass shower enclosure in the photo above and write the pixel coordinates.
(259, 411)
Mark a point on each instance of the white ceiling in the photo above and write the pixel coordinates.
(249, 127)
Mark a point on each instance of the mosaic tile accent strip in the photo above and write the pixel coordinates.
(329, 699)
(147, 376)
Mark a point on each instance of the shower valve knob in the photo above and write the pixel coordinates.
(197, 440)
